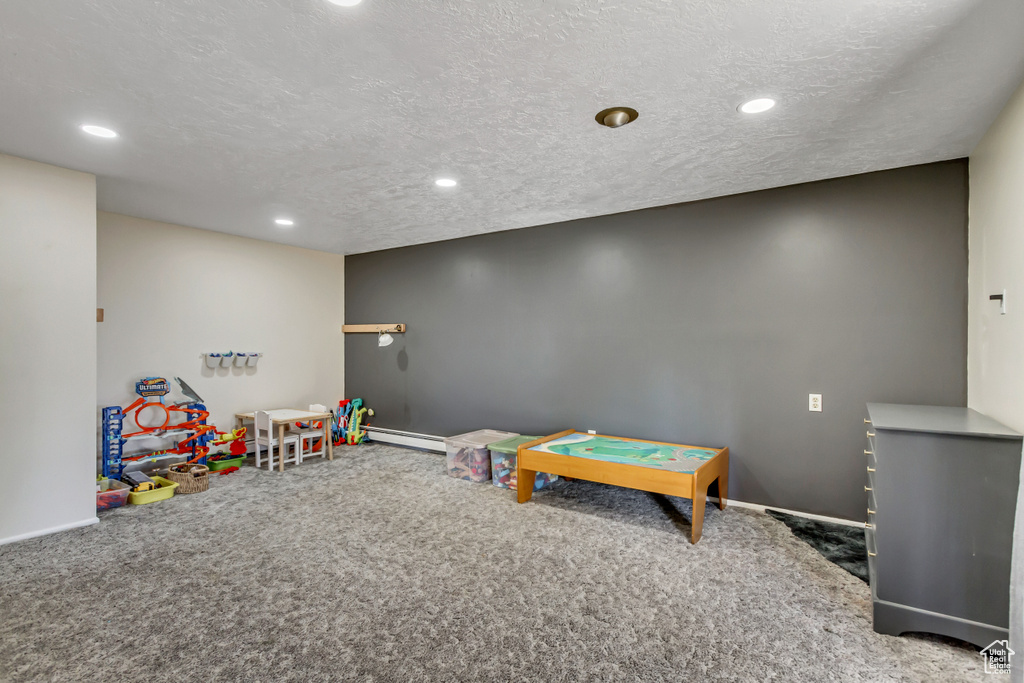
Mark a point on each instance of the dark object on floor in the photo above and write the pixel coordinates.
(837, 543)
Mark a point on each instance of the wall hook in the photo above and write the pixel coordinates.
(1001, 298)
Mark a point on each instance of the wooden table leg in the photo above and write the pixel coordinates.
(723, 480)
(699, 497)
(280, 446)
(524, 484)
(330, 439)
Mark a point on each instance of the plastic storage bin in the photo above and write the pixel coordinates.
(111, 493)
(164, 490)
(468, 456)
(503, 464)
(218, 465)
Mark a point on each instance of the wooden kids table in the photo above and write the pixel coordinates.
(280, 418)
(655, 466)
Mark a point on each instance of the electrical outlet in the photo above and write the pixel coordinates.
(814, 403)
(591, 431)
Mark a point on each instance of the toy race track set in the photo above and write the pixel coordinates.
(184, 421)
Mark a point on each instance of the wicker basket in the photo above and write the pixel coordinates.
(188, 482)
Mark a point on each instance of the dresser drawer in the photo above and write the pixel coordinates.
(870, 541)
(870, 450)
(940, 535)
(872, 551)
(872, 502)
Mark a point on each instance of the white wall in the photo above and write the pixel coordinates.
(171, 293)
(47, 348)
(995, 364)
(995, 343)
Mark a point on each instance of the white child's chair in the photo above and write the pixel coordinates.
(310, 435)
(264, 436)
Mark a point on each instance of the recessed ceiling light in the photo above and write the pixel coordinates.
(284, 221)
(616, 116)
(345, 3)
(757, 106)
(445, 182)
(99, 131)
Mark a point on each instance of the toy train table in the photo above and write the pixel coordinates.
(671, 469)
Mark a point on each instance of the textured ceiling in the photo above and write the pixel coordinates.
(234, 111)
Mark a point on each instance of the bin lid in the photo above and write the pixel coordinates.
(478, 439)
(511, 445)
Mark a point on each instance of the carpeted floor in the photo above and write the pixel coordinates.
(378, 567)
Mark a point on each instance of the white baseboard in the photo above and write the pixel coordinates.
(429, 442)
(51, 530)
(795, 513)
(424, 442)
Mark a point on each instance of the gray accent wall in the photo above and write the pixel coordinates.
(705, 323)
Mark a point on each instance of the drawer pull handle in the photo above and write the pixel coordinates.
(870, 434)
(870, 511)
(867, 421)
(868, 489)
(869, 525)
(869, 452)
(871, 554)
(871, 469)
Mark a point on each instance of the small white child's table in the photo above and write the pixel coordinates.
(280, 417)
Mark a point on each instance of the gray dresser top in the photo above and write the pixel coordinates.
(936, 419)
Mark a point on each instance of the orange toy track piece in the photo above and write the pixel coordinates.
(192, 423)
(134, 405)
(201, 452)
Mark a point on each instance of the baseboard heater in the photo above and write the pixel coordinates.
(426, 442)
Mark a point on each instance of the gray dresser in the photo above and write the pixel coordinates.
(942, 491)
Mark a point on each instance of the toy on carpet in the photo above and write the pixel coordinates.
(340, 421)
(503, 464)
(348, 423)
(654, 466)
(138, 481)
(191, 478)
(467, 455)
(111, 494)
(471, 464)
(357, 431)
(198, 435)
(354, 418)
(165, 488)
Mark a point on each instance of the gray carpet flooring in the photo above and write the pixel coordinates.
(378, 567)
